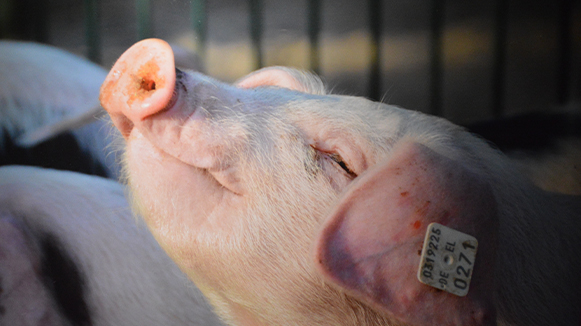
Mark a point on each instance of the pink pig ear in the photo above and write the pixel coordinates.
(370, 244)
(284, 78)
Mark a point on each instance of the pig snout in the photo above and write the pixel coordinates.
(140, 84)
(145, 95)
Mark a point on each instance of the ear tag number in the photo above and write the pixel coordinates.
(447, 259)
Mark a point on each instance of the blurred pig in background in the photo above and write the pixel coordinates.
(43, 89)
(71, 254)
(290, 206)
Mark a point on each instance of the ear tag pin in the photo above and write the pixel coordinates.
(447, 259)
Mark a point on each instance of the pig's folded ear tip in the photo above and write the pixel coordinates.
(284, 78)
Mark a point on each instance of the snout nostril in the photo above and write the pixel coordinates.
(147, 84)
(140, 84)
(146, 80)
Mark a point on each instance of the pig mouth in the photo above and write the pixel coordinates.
(180, 146)
(178, 89)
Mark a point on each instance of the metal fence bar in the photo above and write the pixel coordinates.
(565, 66)
(314, 29)
(436, 46)
(6, 17)
(32, 20)
(256, 26)
(375, 64)
(144, 28)
(199, 19)
(499, 65)
(92, 30)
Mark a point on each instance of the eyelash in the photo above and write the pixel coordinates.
(339, 161)
(336, 158)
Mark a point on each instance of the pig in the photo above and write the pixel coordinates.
(72, 254)
(287, 205)
(43, 91)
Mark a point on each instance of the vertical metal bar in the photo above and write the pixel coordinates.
(6, 14)
(92, 29)
(256, 26)
(25, 19)
(143, 8)
(41, 14)
(199, 20)
(564, 73)
(436, 46)
(499, 73)
(314, 26)
(375, 65)
(36, 14)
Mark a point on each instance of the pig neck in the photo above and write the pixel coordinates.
(538, 265)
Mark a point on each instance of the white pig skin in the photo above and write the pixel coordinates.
(238, 183)
(125, 278)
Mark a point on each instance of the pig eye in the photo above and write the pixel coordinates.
(335, 160)
(339, 161)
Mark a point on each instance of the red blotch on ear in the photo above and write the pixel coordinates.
(370, 244)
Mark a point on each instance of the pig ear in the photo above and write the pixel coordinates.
(37, 136)
(371, 242)
(285, 78)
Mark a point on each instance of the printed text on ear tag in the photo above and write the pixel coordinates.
(447, 259)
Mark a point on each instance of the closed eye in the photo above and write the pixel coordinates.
(334, 159)
(339, 161)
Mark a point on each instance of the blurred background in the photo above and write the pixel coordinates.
(465, 60)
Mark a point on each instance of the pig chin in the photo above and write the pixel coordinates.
(159, 184)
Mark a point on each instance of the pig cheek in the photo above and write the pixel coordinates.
(181, 205)
(193, 138)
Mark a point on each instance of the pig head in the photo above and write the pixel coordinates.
(290, 206)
